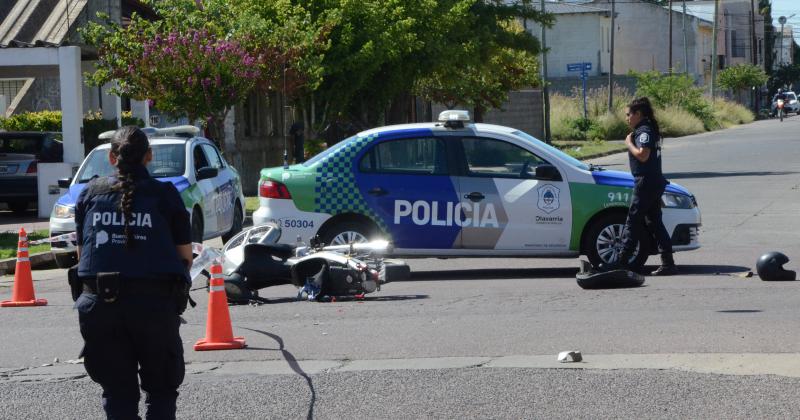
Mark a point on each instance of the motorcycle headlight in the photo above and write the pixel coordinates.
(63, 212)
(677, 201)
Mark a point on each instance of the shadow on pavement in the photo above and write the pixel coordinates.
(710, 270)
(740, 311)
(494, 273)
(692, 175)
(292, 361)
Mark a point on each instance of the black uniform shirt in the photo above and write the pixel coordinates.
(159, 222)
(644, 136)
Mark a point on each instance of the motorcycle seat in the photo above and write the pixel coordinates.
(255, 251)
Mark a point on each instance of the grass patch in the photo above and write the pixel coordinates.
(676, 122)
(585, 149)
(9, 241)
(729, 113)
(250, 205)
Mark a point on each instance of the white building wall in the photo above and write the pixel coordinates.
(576, 38)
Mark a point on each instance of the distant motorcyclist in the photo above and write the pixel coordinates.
(779, 96)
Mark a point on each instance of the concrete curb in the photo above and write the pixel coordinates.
(39, 261)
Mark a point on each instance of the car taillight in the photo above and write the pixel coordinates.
(272, 189)
(31, 168)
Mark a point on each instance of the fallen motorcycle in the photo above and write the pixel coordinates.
(253, 260)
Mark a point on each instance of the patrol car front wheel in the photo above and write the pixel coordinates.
(603, 242)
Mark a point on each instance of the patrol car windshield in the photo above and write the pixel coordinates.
(561, 155)
(168, 160)
(323, 154)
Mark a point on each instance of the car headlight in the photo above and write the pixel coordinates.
(677, 201)
(63, 212)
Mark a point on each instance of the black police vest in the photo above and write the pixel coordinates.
(151, 253)
(651, 168)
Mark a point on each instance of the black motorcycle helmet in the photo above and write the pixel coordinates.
(770, 267)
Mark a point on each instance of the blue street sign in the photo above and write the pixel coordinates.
(579, 66)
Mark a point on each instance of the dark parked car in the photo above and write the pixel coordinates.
(20, 152)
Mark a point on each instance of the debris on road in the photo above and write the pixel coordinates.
(570, 356)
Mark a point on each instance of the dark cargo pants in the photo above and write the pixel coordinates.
(645, 212)
(135, 335)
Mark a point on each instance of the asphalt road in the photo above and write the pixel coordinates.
(479, 337)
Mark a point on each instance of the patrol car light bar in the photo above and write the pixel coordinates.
(177, 131)
(454, 115)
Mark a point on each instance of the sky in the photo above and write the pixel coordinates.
(787, 8)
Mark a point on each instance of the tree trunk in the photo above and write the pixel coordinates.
(215, 129)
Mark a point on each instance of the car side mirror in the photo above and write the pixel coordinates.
(206, 173)
(547, 172)
(64, 182)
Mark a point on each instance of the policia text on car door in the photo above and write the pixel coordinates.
(134, 250)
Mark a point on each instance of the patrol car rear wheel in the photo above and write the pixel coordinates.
(346, 233)
(603, 242)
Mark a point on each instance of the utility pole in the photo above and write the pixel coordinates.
(670, 36)
(714, 58)
(611, 60)
(754, 53)
(753, 40)
(685, 44)
(782, 21)
(545, 90)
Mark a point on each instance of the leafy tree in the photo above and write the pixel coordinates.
(194, 62)
(742, 76)
(487, 55)
(784, 77)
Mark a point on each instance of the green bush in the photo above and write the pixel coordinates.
(676, 90)
(33, 121)
(677, 122)
(93, 124)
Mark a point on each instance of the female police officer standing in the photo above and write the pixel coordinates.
(134, 250)
(644, 156)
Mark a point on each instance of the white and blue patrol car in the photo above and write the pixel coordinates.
(210, 188)
(458, 189)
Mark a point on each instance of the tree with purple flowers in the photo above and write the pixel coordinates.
(191, 63)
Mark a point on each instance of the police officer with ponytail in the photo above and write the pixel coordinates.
(644, 156)
(134, 253)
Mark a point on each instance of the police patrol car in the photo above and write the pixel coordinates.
(457, 189)
(211, 189)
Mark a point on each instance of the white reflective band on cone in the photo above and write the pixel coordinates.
(23, 259)
(216, 288)
(22, 249)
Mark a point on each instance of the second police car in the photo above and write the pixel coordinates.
(211, 189)
(457, 189)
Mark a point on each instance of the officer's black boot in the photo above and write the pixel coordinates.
(622, 262)
(667, 267)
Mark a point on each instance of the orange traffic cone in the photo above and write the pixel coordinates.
(219, 335)
(22, 293)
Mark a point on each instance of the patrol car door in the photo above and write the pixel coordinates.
(505, 206)
(224, 194)
(406, 184)
(206, 188)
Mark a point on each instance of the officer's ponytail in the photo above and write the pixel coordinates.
(129, 145)
(643, 105)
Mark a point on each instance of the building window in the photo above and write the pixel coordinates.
(738, 45)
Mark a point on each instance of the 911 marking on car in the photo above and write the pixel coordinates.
(618, 197)
(458, 214)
